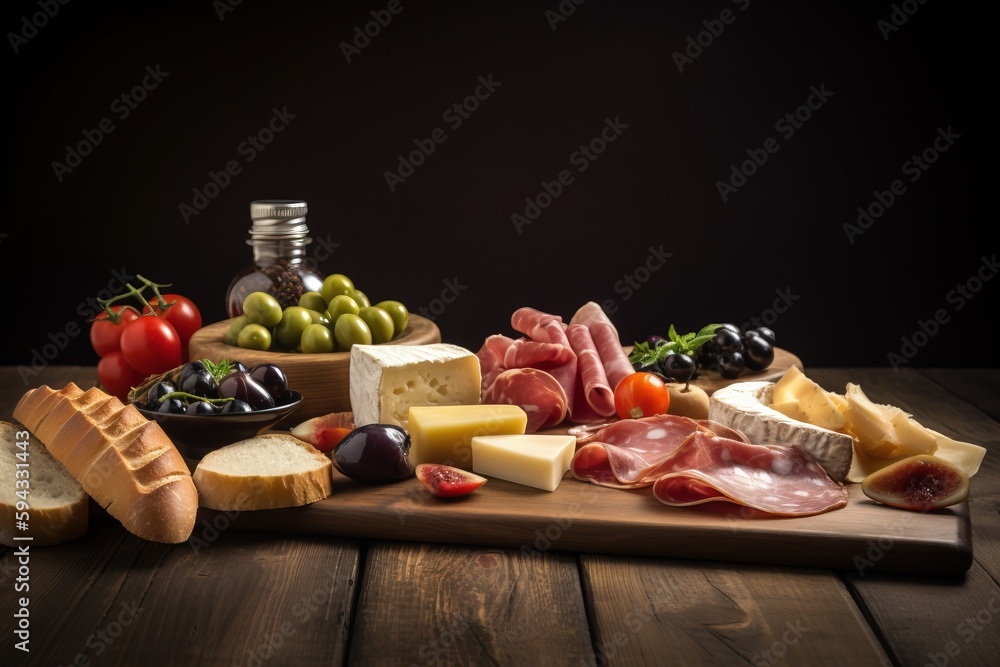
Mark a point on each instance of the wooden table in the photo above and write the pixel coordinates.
(237, 597)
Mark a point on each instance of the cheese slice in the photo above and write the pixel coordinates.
(444, 433)
(387, 380)
(744, 406)
(539, 461)
(965, 455)
(885, 430)
(813, 401)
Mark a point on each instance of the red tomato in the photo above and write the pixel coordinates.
(105, 335)
(151, 345)
(182, 314)
(116, 376)
(641, 394)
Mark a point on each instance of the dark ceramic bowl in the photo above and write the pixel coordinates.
(197, 435)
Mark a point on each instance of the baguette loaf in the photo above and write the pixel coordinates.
(58, 507)
(264, 472)
(124, 461)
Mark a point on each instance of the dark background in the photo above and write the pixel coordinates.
(782, 232)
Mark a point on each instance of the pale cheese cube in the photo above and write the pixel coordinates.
(539, 461)
(443, 433)
(387, 380)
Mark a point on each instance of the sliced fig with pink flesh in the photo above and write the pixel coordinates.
(325, 431)
(447, 481)
(918, 483)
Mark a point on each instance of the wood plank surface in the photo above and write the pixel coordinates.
(948, 620)
(583, 517)
(426, 604)
(233, 598)
(647, 611)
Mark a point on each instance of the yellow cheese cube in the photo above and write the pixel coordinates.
(534, 460)
(443, 433)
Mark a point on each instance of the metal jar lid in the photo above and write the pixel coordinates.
(279, 219)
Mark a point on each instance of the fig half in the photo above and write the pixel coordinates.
(447, 481)
(918, 483)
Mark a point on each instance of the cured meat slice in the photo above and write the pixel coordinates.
(536, 392)
(631, 452)
(491, 358)
(545, 328)
(606, 340)
(524, 353)
(594, 396)
(780, 479)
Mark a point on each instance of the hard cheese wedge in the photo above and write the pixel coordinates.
(443, 433)
(387, 380)
(534, 460)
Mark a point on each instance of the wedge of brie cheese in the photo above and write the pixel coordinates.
(387, 380)
(744, 406)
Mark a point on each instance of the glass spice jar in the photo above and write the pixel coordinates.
(279, 236)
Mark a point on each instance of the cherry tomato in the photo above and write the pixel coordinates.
(151, 345)
(641, 394)
(182, 314)
(105, 335)
(117, 376)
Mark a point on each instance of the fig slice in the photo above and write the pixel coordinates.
(918, 483)
(325, 431)
(447, 481)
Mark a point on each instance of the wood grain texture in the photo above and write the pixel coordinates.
(114, 599)
(583, 517)
(950, 620)
(424, 604)
(648, 611)
(322, 379)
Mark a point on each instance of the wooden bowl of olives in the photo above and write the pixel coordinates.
(321, 378)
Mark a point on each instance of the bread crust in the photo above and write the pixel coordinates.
(225, 489)
(125, 462)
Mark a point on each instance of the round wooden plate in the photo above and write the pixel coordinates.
(322, 379)
(783, 360)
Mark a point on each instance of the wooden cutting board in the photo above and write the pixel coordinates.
(581, 517)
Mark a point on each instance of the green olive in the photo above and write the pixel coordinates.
(254, 337)
(400, 316)
(360, 297)
(340, 305)
(313, 301)
(351, 330)
(334, 284)
(319, 317)
(317, 339)
(293, 322)
(233, 332)
(379, 323)
(262, 308)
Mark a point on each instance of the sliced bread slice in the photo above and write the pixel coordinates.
(58, 506)
(268, 471)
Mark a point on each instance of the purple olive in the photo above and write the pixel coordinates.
(271, 378)
(374, 454)
(242, 386)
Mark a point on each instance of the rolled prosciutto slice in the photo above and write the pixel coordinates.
(491, 358)
(779, 479)
(594, 396)
(537, 393)
(606, 341)
(545, 328)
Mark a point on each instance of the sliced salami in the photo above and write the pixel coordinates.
(630, 452)
(784, 480)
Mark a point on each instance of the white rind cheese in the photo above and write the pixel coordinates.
(744, 406)
(387, 380)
